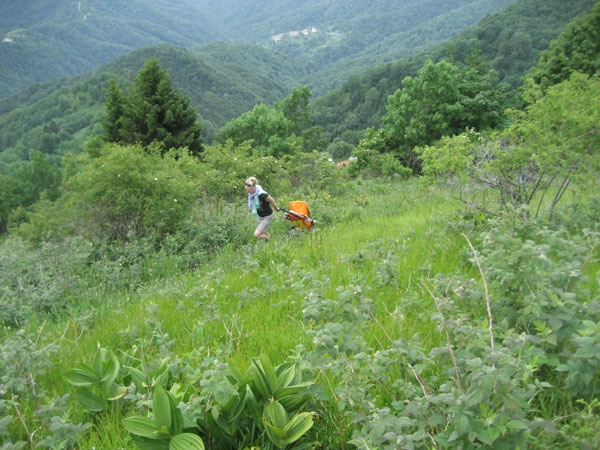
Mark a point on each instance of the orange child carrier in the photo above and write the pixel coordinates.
(299, 215)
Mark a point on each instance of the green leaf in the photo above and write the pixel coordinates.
(176, 416)
(120, 392)
(297, 426)
(81, 377)
(271, 376)
(161, 407)
(240, 404)
(98, 360)
(275, 414)
(291, 390)
(234, 374)
(516, 425)
(151, 443)
(291, 402)
(186, 441)
(138, 377)
(143, 426)
(253, 406)
(275, 434)
(110, 371)
(89, 400)
(485, 437)
(286, 374)
(259, 382)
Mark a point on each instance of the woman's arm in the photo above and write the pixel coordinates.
(272, 202)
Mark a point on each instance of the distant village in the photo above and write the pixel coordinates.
(306, 31)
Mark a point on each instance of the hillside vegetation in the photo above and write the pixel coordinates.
(350, 37)
(41, 40)
(448, 295)
(510, 41)
(56, 118)
(48, 40)
(226, 79)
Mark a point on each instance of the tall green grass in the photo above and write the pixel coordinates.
(386, 240)
(251, 298)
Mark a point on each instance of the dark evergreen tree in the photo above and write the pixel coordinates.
(112, 123)
(152, 112)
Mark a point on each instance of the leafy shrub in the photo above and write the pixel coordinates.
(577, 216)
(165, 428)
(127, 191)
(549, 147)
(23, 361)
(371, 163)
(225, 168)
(536, 276)
(313, 172)
(207, 229)
(263, 406)
(96, 382)
(40, 279)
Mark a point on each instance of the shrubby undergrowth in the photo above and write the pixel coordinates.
(472, 377)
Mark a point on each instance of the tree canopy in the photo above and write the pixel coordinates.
(576, 49)
(553, 142)
(442, 100)
(152, 112)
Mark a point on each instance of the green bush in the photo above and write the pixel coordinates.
(40, 280)
(313, 172)
(208, 229)
(370, 163)
(225, 168)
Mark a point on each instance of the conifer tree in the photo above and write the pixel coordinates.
(114, 112)
(152, 112)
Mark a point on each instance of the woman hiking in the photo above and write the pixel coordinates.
(260, 202)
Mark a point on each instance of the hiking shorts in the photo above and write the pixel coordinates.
(264, 222)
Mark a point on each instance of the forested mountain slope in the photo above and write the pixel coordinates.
(41, 40)
(226, 79)
(365, 41)
(510, 41)
(56, 117)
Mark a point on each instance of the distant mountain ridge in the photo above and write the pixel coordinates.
(226, 79)
(53, 39)
(46, 39)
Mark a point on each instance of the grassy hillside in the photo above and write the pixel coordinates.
(252, 300)
(362, 306)
(459, 309)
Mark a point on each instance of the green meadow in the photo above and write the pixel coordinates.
(369, 307)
